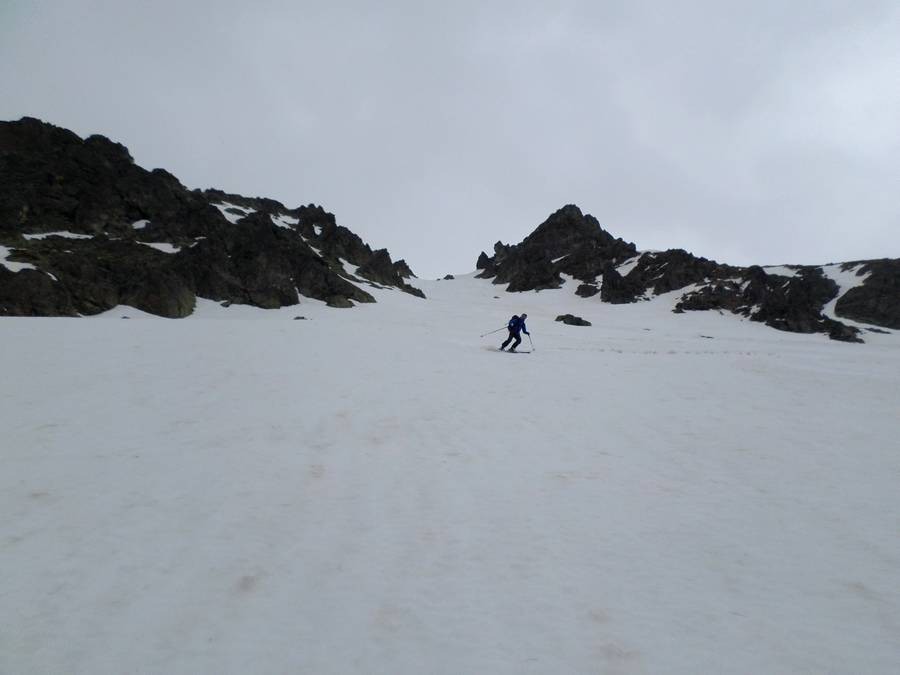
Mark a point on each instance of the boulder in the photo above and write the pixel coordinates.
(571, 320)
(587, 290)
(842, 332)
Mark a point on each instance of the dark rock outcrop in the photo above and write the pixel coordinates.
(795, 303)
(32, 293)
(488, 266)
(572, 320)
(792, 303)
(378, 267)
(676, 268)
(587, 290)
(571, 243)
(877, 299)
(403, 270)
(265, 265)
(617, 289)
(212, 244)
(719, 295)
(568, 242)
(842, 332)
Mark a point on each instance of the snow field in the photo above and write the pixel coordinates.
(373, 490)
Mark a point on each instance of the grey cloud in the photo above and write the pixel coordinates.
(745, 131)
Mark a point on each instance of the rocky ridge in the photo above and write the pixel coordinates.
(83, 229)
(797, 298)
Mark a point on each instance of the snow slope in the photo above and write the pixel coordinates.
(377, 491)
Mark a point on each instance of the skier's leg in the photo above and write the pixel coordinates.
(515, 344)
(507, 341)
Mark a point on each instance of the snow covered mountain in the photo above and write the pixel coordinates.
(83, 229)
(834, 299)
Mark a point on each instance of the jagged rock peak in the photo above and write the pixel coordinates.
(31, 134)
(566, 227)
(567, 242)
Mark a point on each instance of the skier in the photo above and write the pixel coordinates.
(516, 324)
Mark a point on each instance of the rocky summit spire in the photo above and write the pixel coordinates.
(568, 242)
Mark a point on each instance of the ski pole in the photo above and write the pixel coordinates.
(531, 341)
(494, 331)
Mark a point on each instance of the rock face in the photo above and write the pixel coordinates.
(791, 298)
(99, 231)
(568, 242)
(877, 300)
(792, 304)
(617, 289)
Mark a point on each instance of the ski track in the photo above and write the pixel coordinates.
(376, 490)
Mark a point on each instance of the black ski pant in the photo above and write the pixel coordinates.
(512, 335)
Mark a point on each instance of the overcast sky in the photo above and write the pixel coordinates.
(749, 132)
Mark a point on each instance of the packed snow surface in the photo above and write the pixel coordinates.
(285, 221)
(378, 490)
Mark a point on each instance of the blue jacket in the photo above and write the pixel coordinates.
(517, 324)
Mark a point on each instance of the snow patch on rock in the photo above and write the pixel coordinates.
(226, 208)
(64, 234)
(11, 265)
(782, 270)
(629, 265)
(845, 279)
(165, 247)
(285, 221)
